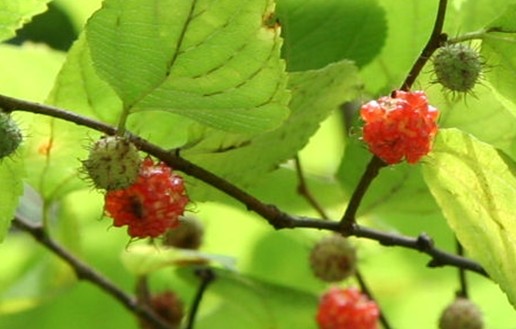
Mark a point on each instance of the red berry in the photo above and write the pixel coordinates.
(152, 204)
(399, 128)
(347, 309)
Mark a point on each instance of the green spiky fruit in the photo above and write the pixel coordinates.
(461, 314)
(333, 259)
(457, 67)
(113, 163)
(10, 135)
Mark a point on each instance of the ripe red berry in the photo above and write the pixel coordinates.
(333, 258)
(399, 127)
(347, 309)
(461, 314)
(152, 204)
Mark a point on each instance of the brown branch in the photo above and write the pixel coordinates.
(277, 218)
(367, 178)
(85, 272)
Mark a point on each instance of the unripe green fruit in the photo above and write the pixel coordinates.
(113, 163)
(461, 314)
(10, 135)
(333, 259)
(457, 67)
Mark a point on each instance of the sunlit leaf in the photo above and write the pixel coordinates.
(15, 13)
(464, 16)
(499, 50)
(254, 304)
(216, 62)
(476, 189)
(402, 45)
(318, 33)
(315, 94)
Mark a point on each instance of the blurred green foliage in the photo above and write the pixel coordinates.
(270, 283)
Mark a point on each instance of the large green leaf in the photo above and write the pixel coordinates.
(499, 50)
(476, 190)
(11, 174)
(409, 24)
(15, 13)
(244, 160)
(213, 61)
(321, 32)
(246, 302)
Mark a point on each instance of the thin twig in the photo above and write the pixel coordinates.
(435, 41)
(422, 243)
(463, 291)
(276, 218)
(207, 276)
(365, 289)
(87, 273)
(367, 178)
(304, 191)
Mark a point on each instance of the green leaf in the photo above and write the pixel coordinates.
(476, 189)
(212, 61)
(15, 13)
(499, 50)
(470, 15)
(246, 302)
(409, 24)
(318, 33)
(11, 173)
(243, 160)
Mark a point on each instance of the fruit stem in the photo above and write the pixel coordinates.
(207, 276)
(367, 291)
(347, 221)
(463, 291)
(476, 35)
(122, 121)
(304, 191)
(437, 38)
